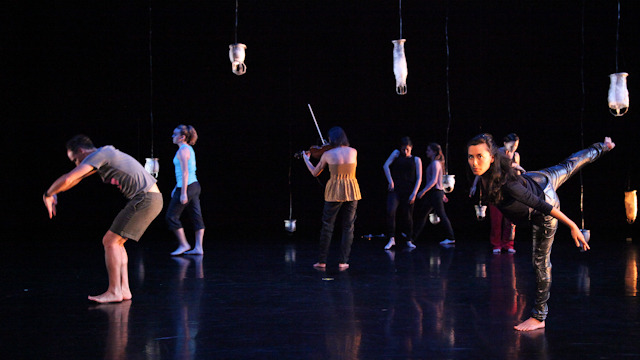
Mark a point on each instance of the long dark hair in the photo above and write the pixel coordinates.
(337, 137)
(436, 148)
(499, 172)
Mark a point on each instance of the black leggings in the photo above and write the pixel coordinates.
(398, 206)
(432, 200)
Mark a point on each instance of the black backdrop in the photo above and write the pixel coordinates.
(84, 67)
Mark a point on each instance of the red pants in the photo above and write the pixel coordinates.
(502, 230)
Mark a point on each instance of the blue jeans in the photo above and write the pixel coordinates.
(192, 206)
(329, 215)
(543, 235)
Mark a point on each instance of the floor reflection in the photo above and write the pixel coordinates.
(631, 271)
(118, 331)
(342, 331)
(187, 314)
(263, 300)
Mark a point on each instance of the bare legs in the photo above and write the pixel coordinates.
(183, 244)
(197, 249)
(117, 261)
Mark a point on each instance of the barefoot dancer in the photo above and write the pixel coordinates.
(135, 183)
(433, 194)
(186, 194)
(531, 197)
(342, 191)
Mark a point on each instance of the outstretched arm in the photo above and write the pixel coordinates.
(64, 183)
(576, 234)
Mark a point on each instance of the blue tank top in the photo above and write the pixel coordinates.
(191, 167)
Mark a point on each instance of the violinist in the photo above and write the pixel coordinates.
(342, 192)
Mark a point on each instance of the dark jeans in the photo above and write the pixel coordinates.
(329, 215)
(543, 235)
(432, 200)
(192, 206)
(398, 206)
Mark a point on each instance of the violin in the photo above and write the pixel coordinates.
(315, 151)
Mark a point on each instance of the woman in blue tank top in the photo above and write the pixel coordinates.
(186, 194)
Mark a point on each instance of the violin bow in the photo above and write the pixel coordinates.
(324, 142)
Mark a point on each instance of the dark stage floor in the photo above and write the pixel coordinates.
(260, 298)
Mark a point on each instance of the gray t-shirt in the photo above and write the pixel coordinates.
(120, 169)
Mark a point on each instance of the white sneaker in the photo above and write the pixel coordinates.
(447, 242)
(497, 251)
(410, 245)
(392, 242)
(511, 251)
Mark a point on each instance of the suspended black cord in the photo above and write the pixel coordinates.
(236, 28)
(582, 108)
(400, 15)
(446, 35)
(617, 35)
(150, 78)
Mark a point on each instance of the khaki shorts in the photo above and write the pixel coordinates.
(137, 215)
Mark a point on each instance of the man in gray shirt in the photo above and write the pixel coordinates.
(135, 183)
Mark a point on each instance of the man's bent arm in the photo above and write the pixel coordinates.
(70, 179)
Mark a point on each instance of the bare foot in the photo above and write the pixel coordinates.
(194, 251)
(529, 325)
(343, 266)
(126, 294)
(180, 250)
(320, 266)
(107, 297)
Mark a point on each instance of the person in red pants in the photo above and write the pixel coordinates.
(503, 231)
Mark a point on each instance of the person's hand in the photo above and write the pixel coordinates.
(445, 199)
(184, 199)
(608, 143)
(50, 203)
(412, 198)
(306, 155)
(578, 237)
(391, 186)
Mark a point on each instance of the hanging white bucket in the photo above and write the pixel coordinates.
(481, 211)
(152, 165)
(400, 66)
(290, 225)
(618, 94)
(448, 182)
(236, 56)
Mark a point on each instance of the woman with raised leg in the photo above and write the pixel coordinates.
(531, 197)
